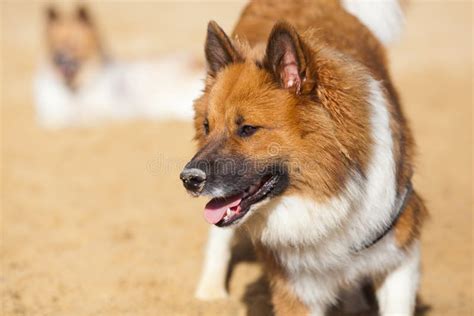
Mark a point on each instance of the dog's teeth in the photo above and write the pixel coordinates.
(228, 214)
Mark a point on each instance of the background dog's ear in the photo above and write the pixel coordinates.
(82, 14)
(51, 13)
(285, 56)
(218, 49)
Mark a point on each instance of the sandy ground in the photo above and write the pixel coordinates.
(95, 221)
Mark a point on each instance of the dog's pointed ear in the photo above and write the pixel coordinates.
(285, 57)
(219, 49)
(51, 13)
(83, 14)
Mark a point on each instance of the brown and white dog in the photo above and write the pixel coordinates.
(80, 84)
(303, 143)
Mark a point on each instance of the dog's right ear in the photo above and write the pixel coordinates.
(219, 49)
(286, 57)
(83, 14)
(51, 13)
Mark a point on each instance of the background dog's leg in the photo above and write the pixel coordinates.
(396, 295)
(216, 261)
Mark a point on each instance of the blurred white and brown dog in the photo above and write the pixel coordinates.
(81, 84)
(303, 143)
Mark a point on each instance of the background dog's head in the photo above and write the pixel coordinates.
(73, 43)
(273, 123)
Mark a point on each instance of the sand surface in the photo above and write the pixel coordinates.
(95, 221)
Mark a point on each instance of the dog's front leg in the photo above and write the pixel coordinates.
(212, 284)
(396, 295)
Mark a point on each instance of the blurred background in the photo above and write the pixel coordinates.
(95, 220)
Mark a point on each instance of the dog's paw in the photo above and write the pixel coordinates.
(210, 292)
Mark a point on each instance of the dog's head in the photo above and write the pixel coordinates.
(73, 42)
(268, 125)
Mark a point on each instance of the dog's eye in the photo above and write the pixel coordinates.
(206, 126)
(247, 130)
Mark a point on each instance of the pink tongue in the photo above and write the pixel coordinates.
(216, 208)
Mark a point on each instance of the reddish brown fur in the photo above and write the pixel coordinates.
(342, 32)
(408, 226)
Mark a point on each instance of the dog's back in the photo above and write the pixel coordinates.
(331, 22)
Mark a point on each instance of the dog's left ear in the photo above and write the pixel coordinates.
(285, 57)
(51, 13)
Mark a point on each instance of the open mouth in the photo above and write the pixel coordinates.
(228, 210)
(67, 66)
(69, 70)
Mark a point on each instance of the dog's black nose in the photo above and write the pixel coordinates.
(193, 179)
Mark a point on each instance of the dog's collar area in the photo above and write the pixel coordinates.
(401, 206)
